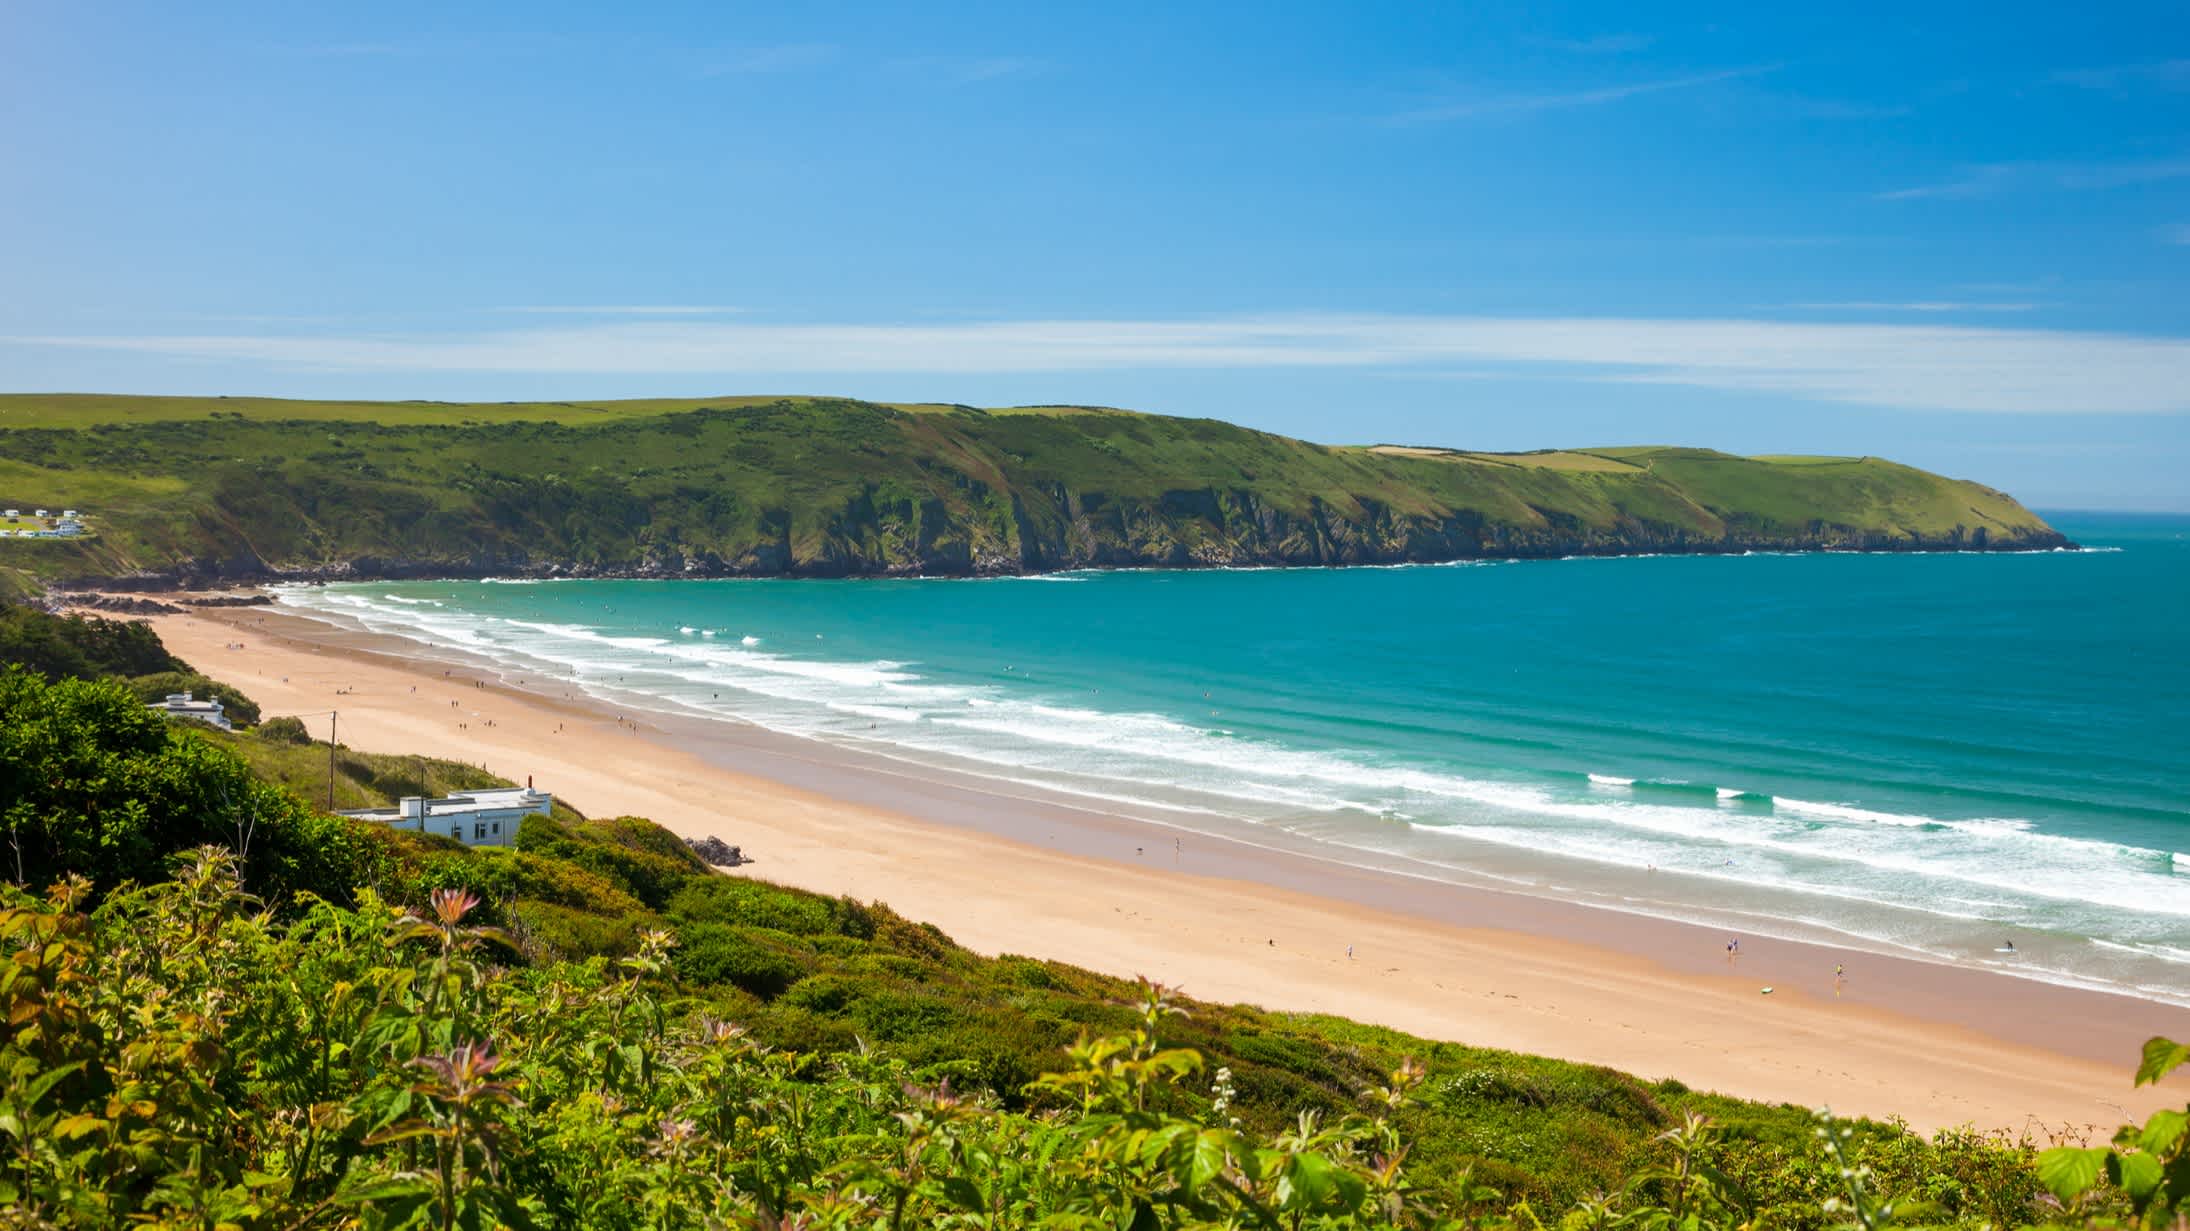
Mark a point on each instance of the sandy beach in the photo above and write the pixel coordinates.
(1936, 1045)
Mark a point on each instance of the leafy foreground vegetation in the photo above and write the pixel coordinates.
(231, 1009)
(177, 1056)
(197, 489)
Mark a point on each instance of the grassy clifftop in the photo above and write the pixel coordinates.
(207, 488)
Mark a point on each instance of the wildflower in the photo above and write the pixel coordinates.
(451, 905)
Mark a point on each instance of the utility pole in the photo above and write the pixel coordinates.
(333, 717)
(421, 794)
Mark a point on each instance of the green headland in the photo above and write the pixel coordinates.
(177, 490)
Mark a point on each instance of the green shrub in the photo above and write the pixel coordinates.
(284, 730)
(548, 879)
(757, 960)
(570, 933)
(827, 994)
(888, 1015)
(91, 782)
(639, 834)
(649, 877)
(81, 646)
(734, 899)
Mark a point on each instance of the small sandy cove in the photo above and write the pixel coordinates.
(1936, 1045)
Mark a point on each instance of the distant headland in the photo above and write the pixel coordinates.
(193, 491)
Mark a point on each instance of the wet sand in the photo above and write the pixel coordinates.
(1007, 871)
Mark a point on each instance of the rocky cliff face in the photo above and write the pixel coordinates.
(1199, 528)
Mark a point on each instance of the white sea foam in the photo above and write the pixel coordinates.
(1609, 780)
(1845, 812)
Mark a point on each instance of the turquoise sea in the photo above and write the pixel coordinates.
(1925, 754)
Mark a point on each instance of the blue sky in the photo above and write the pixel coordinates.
(1958, 236)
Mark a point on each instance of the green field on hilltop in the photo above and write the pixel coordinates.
(210, 488)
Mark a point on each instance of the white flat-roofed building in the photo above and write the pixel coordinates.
(183, 705)
(475, 818)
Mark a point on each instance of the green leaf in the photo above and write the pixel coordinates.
(2161, 1056)
(960, 1191)
(2068, 1172)
(46, 1081)
(2138, 1175)
(78, 1125)
(1210, 1150)
(2177, 1180)
(1308, 1180)
(2162, 1131)
(386, 1188)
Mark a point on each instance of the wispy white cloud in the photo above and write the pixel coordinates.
(2176, 234)
(625, 309)
(354, 49)
(1977, 181)
(1986, 179)
(494, 43)
(2124, 174)
(1908, 366)
(966, 70)
(1598, 45)
(1917, 305)
(780, 58)
(1843, 109)
(2163, 74)
(1509, 104)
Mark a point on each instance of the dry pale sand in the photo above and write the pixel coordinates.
(1938, 1046)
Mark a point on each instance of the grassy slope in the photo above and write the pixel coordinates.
(766, 485)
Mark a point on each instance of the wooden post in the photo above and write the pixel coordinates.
(333, 718)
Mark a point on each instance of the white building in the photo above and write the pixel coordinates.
(475, 818)
(183, 705)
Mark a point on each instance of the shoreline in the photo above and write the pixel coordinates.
(67, 590)
(999, 871)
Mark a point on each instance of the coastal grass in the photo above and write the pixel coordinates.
(214, 487)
